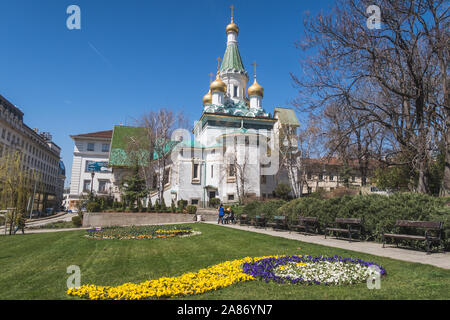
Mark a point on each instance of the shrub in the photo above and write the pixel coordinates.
(254, 208)
(163, 206)
(377, 211)
(181, 204)
(191, 209)
(77, 221)
(282, 191)
(93, 206)
(143, 209)
(214, 202)
(157, 207)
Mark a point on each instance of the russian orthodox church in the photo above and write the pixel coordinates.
(232, 151)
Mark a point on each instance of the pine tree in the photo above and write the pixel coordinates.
(134, 188)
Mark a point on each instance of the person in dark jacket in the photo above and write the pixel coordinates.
(20, 221)
(231, 216)
(221, 214)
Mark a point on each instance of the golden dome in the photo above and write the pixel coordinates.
(255, 89)
(232, 27)
(218, 85)
(207, 98)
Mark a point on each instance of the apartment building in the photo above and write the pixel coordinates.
(38, 154)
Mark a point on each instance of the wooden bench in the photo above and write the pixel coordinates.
(279, 222)
(307, 224)
(243, 220)
(353, 226)
(260, 221)
(433, 232)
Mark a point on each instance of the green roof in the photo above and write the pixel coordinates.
(287, 116)
(232, 59)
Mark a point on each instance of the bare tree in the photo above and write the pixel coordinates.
(389, 74)
(297, 146)
(236, 165)
(159, 127)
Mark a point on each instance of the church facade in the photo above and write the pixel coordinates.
(232, 153)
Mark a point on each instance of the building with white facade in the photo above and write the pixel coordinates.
(228, 156)
(90, 149)
(39, 154)
(234, 150)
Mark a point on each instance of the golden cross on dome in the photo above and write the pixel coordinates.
(218, 63)
(210, 77)
(232, 8)
(254, 66)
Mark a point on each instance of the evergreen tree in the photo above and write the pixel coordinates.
(133, 188)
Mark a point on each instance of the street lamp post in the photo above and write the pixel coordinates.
(92, 182)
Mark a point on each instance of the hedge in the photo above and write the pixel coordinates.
(254, 208)
(377, 211)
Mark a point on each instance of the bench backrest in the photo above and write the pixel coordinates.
(349, 220)
(419, 224)
(279, 218)
(308, 219)
(261, 216)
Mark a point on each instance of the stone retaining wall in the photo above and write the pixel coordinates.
(105, 219)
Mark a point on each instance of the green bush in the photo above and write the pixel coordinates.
(157, 206)
(254, 208)
(379, 213)
(163, 206)
(93, 206)
(282, 191)
(214, 202)
(191, 209)
(77, 221)
(181, 204)
(144, 209)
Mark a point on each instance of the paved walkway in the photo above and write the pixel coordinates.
(441, 260)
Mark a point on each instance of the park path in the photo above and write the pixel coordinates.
(441, 260)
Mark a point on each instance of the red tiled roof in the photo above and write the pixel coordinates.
(337, 162)
(98, 134)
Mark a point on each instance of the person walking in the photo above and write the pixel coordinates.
(20, 221)
(221, 213)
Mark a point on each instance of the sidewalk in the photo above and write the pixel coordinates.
(441, 260)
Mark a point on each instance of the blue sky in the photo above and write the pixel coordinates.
(134, 56)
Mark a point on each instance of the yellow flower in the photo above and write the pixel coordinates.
(215, 277)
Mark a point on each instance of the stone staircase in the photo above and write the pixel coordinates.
(208, 214)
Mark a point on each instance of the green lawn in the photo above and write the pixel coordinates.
(33, 266)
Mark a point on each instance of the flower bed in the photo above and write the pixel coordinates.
(295, 269)
(140, 232)
(313, 270)
(191, 283)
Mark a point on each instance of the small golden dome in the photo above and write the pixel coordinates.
(255, 90)
(207, 98)
(232, 27)
(218, 85)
